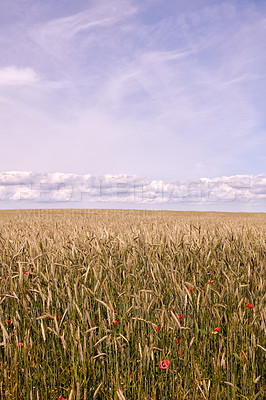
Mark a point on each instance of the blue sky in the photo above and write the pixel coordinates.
(162, 90)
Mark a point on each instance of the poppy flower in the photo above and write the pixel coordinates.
(26, 272)
(249, 306)
(180, 316)
(164, 364)
(20, 344)
(157, 328)
(116, 322)
(190, 288)
(115, 311)
(210, 281)
(177, 340)
(241, 357)
(62, 398)
(9, 321)
(217, 329)
(131, 375)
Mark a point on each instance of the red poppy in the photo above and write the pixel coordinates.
(62, 398)
(164, 364)
(217, 329)
(9, 321)
(210, 281)
(115, 311)
(177, 340)
(190, 288)
(116, 322)
(131, 375)
(112, 323)
(180, 316)
(241, 357)
(20, 344)
(249, 306)
(26, 272)
(158, 328)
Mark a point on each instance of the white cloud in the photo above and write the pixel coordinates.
(14, 76)
(58, 187)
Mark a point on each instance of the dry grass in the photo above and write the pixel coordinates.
(88, 269)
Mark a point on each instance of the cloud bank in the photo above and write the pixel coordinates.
(52, 188)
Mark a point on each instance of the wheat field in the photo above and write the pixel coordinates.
(135, 305)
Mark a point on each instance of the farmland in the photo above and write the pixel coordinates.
(112, 304)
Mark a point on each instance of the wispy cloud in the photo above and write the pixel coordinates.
(75, 37)
(101, 15)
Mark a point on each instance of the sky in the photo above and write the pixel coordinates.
(155, 104)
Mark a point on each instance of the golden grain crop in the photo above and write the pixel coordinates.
(111, 304)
